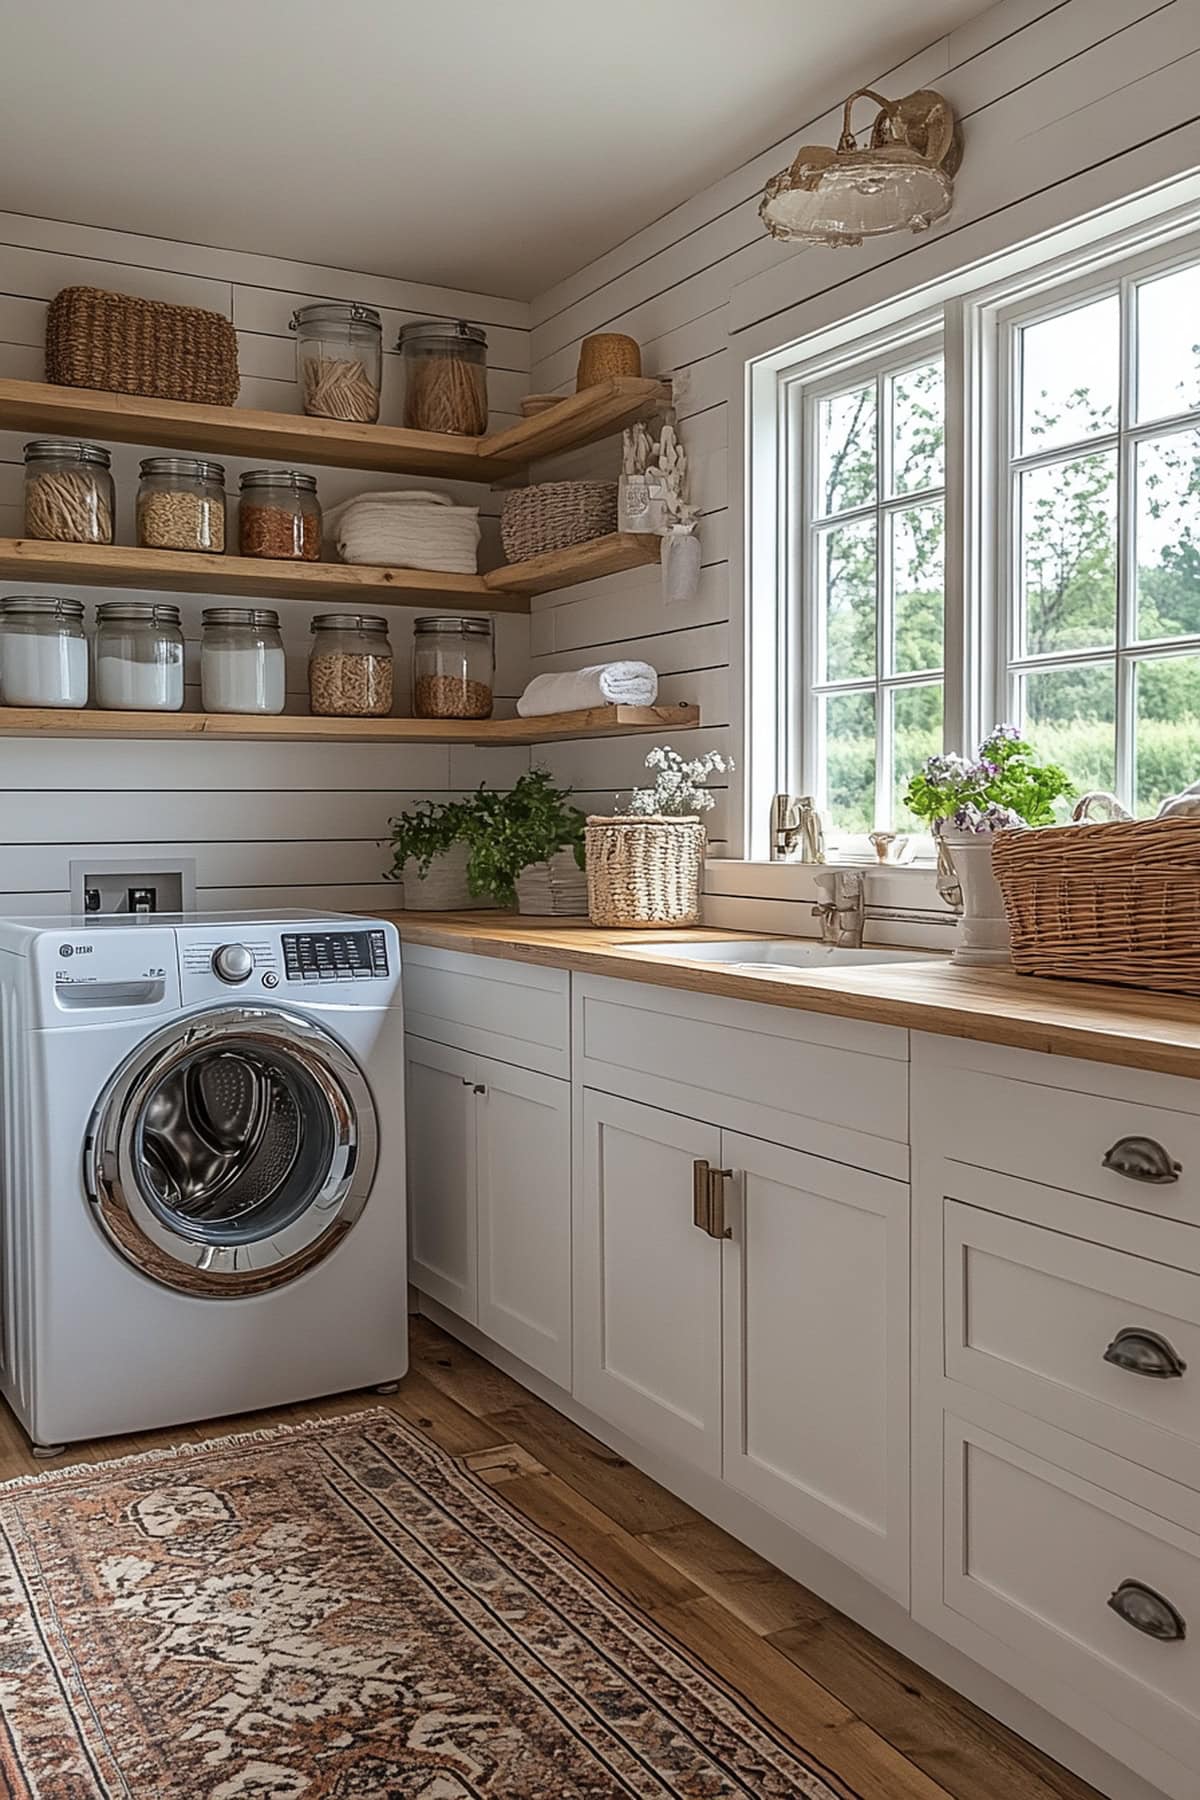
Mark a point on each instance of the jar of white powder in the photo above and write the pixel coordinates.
(139, 657)
(43, 652)
(242, 667)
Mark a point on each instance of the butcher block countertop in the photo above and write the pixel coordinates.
(1071, 1018)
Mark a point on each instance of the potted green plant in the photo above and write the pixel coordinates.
(525, 846)
(965, 803)
(429, 849)
(645, 866)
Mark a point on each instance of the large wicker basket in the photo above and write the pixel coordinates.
(553, 515)
(1115, 902)
(644, 871)
(124, 345)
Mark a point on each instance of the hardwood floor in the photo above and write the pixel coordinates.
(885, 1727)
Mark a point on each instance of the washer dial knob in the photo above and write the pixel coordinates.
(233, 963)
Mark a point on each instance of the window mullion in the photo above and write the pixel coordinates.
(1126, 626)
(883, 607)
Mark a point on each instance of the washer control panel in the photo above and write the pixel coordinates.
(335, 955)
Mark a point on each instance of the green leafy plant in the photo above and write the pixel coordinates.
(1003, 787)
(426, 830)
(507, 831)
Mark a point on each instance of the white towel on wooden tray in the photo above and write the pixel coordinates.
(604, 684)
(411, 528)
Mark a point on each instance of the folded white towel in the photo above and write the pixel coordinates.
(604, 684)
(411, 528)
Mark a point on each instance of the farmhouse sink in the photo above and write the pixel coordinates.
(755, 957)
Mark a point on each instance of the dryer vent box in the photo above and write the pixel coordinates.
(133, 884)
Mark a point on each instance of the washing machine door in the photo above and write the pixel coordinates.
(232, 1151)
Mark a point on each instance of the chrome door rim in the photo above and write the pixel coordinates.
(210, 1270)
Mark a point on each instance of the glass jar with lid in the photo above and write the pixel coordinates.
(445, 377)
(43, 652)
(242, 667)
(453, 668)
(181, 504)
(69, 493)
(350, 666)
(279, 515)
(139, 657)
(339, 360)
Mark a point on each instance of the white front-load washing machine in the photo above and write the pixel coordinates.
(202, 1161)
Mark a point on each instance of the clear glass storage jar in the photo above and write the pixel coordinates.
(279, 515)
(453, 668)
(350, 666)
(445, 377)
(69, 494)
(242, 667)
(139, 657)
(181, 504)
(339, 360)
(43, 652)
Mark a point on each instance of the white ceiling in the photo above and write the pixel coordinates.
(493, 145)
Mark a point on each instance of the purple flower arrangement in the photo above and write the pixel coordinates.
(1003, 786)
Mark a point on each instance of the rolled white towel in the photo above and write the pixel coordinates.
(604, 684)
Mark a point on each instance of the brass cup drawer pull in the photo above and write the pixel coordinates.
(1142, 1352)
(1142, 1159)
(708, 1199)
(1148, 1612)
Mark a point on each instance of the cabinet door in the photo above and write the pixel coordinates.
(647, 1281)
(441, 1175)
(523, 1146)
(816, 1352)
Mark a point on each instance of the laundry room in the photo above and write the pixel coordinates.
(600, 900)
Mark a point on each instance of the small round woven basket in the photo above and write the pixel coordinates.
(553, 515)
(644, 871)
(607, 353)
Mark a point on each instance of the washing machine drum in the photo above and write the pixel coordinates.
(232, 1151)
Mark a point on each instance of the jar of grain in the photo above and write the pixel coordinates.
(350, 667)
(68, 492)
(242, 666)
(139, 657)
(43, 652)
(339, 360)
(453, 668)
(181, 504)
(445, 377)
(279, 515)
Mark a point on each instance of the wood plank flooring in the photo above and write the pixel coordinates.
(883, 1727)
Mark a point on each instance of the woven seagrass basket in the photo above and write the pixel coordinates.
(1116, 902)
(553, 515)
(644, 871)
(124, 345)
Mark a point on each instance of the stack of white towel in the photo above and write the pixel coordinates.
(604, 684)
(408, 529)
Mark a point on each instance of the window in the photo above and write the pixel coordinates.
(1046, 570)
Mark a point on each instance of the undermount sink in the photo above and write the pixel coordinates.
(756, 957)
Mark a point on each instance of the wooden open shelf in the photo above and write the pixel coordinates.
(349, 584)
(553, 728)
(597, 412)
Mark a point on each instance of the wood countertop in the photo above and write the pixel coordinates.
(1160, 1032)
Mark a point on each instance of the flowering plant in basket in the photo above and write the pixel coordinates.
(678, 790)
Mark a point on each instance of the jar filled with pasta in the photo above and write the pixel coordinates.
(454, 662)
(445, 377)
(339, 360)
(69, 493)
(279, 515)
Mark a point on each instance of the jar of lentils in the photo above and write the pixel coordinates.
(68, 492)
(453, 668)
(350, 666)
(181, 504)
(339, 358)
(279, 515)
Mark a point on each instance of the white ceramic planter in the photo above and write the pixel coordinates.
(983, 935)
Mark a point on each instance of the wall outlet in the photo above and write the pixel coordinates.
(133, 884)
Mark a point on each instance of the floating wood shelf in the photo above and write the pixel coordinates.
(598, 721)
(241, 431)
(178, 572)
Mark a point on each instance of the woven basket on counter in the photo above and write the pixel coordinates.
(553, 515)
(644, 871)
(1116, 902)
(124, 345)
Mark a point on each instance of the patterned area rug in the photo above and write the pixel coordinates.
(339, 1611)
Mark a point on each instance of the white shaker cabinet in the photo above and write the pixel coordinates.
(441, 1175)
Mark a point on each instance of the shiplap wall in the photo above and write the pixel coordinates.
(283, 824)
(1051, 96)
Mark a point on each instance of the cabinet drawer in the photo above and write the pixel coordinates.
(519, 1013)
(1044, 1322)
(1034, 1553)
(1094, 1144)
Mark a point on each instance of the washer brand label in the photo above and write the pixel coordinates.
(75, 949)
